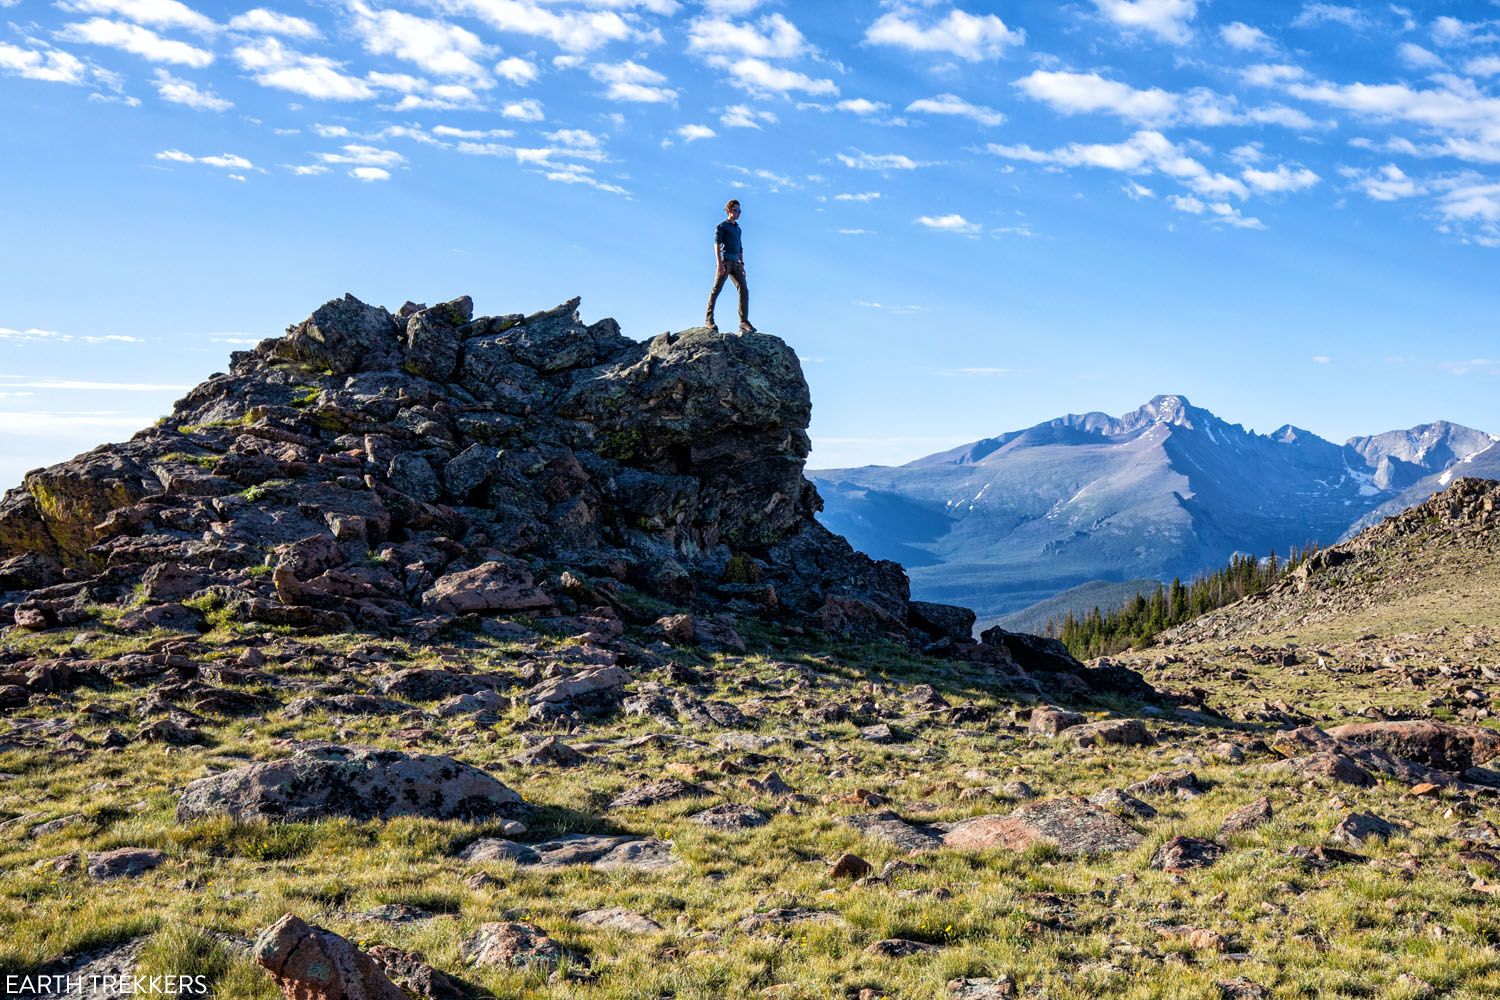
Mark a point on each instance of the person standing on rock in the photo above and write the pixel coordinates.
(729, 262)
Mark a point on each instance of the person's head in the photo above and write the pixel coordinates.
(732, 208)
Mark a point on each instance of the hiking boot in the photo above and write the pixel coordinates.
(711, 326)
(745, 327)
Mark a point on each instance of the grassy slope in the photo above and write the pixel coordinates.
(1070, 929)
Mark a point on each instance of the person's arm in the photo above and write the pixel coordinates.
(718, 256)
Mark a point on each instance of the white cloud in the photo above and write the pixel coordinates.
(1144, 152)
(225, 161)
(960, 34)
(1166, 19)
(863, 196)
(1219, 212)
(861, 160)
(691, 133)
(1282, 179)
(178, 91)
(1414, 56)
(1467, 118)
(308, 170)
(516, 70)
(370, 174)
(262, 21)
(953, 223)
(137, 40)
(1314, 14)
(573, 31)
(451, 132)
(630, 81)
(952, 104)
(862, 106)
(744, 116)
(1239, 35)
(157, 13)
(272, 64)
(760, 77)
(1387, 183)
(1321, 359)
(524, 111)
(1452, 31)
(1077, 93)
(47, 64)
(772, 37)
(1271, 75)
(438, 47)
(365, 156)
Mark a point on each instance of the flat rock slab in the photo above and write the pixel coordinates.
(595, 850)
(1257, 813)
(985, 988)
(1122, 803)
(657, 792)
(616, 918)
(1441, 745)
(785, 917)
(1181, 784)
(730, 816)
(127, 862)
(359, 783)
(1073, 825)
(892, 829)
(899, 948)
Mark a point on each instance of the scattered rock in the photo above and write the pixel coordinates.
(1356, 828)
(892, 829)
(1436, 744)
(849, 866)
(310, 963)
(125, 862)
(1182, 854)
(1119, 732)
(1071, 824)
(617, 919)
(1247, 817)
(657, 792)
(1322, 858)
(411, 972)
(504, 944)
(1123, 803)
(1181, 784)
(1049, 721)
(899, 948)
(730, 816)
(984, 988)
(356, 782)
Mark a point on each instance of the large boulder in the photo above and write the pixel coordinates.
(1441, 745)
(310, 963)
(359, 783)
(1072, 825)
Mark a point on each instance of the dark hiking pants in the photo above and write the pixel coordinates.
(734, 271)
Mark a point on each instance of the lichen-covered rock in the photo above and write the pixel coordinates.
(355, 782)
(1071, 824)
(1441, 745)
(310, 963)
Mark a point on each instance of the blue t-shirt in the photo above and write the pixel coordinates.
(728, 237)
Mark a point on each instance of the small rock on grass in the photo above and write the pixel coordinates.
(617, 918)
(1247, 817)
(510, 945)
(899, 948)
(310, 963)
(1182, 854)
(1356, 828)
(983, 988)
(127, 862)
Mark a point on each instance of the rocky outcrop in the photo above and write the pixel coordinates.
(344, 781)
(310, 963)
(395, 468)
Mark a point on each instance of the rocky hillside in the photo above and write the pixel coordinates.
(456, 658)
(401, 471)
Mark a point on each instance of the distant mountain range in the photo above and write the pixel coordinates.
(1166, 490)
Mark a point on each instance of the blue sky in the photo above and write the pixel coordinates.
(967, 219)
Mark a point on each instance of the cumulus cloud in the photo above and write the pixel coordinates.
(1244, 37)
(760, 77)
(862, 196)
(272, 64)
(224, 161)
(631, 81)
(370, 174)
(574, 31)
(516, 70)
(175, 90)
(692, 133)
(772, 37)
(960, 34)
(156, 13)
(262, 21)
(953, 223)
(744, 116)
(46, 64)
(1387, 183)
(138, 41)
(1145, 152)
(860, 160)
(952, 104)
(1081, 93)
(359, 154)
(440, 48)
(862, 106)
(528, 110)
(1166, 19)
(1283, 178)
(1413, 56)
(1314, 14)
